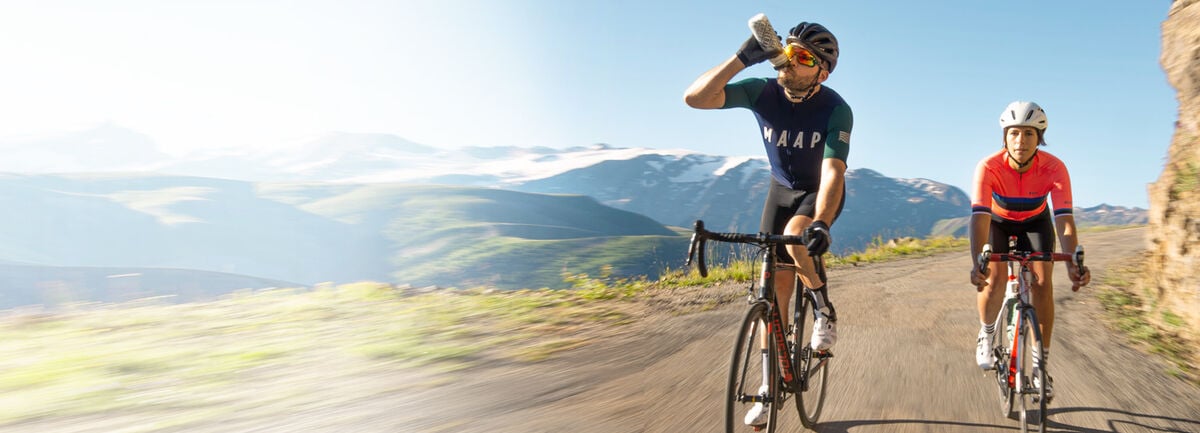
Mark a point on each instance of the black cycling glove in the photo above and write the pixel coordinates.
(818, 238)
(751, 53)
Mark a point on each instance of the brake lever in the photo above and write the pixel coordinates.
(1078, 259)
(984, 257)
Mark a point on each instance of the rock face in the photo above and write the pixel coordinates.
(1175, 198)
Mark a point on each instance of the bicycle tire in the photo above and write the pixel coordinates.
(1030, 335)
(811, 372)
(746, 374)
(1035, 394)
(1001, 346)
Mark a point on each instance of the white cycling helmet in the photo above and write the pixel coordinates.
(1022, 113)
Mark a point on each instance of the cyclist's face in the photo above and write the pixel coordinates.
(798, 79)
(1021, 142)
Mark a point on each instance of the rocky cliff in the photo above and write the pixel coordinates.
(1175, 198)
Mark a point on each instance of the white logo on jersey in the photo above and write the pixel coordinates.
(814, 138)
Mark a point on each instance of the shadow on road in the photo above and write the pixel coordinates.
(1119, 421)
(1126, 422)
(846, 426)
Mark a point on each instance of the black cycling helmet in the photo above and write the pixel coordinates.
(818, 39)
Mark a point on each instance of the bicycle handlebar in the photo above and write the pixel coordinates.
(1024, 257)
(700, 235)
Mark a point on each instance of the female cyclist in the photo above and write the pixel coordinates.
(1010, 199)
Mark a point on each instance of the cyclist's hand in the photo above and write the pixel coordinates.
(1078, 279)
(751, 53)
(978, 279)
(818, 238)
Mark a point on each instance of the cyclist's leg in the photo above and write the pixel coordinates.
(1039, 234)
(805, 210)
(804, 268)
(1042, 297)
(785, 277)
(780, 206)
(992, 295)
(1042, 238)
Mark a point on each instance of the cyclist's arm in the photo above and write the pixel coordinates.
(1068, 237)
(978, 232)
(708, 91)
(833, 180)
(979, 229)
(1067, 234)
(833, 166)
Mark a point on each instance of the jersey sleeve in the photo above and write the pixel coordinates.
(743, 93)
(1060, 191)
(981, 195)
(837, 136)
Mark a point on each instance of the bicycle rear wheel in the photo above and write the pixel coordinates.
(811, 368)
(753, 374)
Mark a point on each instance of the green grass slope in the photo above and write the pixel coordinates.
(462, 236)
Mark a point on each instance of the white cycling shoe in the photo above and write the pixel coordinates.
(757, 415)
(824, 334)
(983, 351)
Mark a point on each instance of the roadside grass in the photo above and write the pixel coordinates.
(1124, 296)
(239, 354)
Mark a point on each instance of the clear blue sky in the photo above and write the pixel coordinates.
(926, 79)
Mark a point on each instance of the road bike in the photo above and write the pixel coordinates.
(1016, 333)
(770, 362)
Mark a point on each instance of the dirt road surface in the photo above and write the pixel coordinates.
(904, 363)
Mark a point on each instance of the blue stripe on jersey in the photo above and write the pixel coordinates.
(1019, 204)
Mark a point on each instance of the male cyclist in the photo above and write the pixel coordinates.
(1010, 191)
(805, 128)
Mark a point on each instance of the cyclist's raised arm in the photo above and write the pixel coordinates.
(708, 91)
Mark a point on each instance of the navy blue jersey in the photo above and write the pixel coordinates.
(797, 136)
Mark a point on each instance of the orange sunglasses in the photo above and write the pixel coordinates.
(800, 55)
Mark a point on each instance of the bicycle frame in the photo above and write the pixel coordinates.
(1017, 311)
(766, 293)
(1016, 303)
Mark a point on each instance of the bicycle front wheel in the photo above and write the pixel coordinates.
(811, 368)
(1032, 397)
(753, 389)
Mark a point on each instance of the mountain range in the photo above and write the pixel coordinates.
(347, 207)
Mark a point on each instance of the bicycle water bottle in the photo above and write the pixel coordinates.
(765, 34)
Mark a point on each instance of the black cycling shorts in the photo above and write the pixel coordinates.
(1034, 235)
(782, 204)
